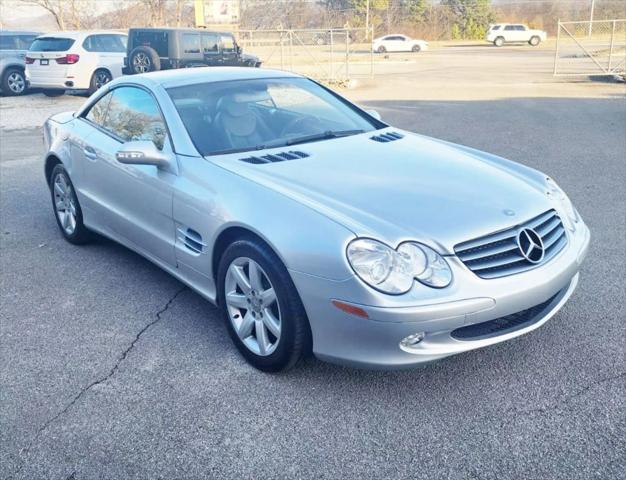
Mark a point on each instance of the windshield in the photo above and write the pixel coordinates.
(243, 115)
(51, 44)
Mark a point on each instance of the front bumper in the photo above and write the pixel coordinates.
(340, 337)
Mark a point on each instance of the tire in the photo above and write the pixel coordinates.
(416, 48)
(534, 40)
(498, 42)
(99, 78)
(144, 60)
(53, 93)
(64, 200)
(381, 49)
(286, 313)
(14, 82)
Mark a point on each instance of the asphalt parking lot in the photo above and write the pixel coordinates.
(112, 369)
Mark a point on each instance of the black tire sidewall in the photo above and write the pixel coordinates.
(5, 82)
(381, 49)
(295, 335)
(155, 61)
(80, 234)
(416, 49)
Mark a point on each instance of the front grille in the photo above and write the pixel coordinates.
(502, 325)
(498, 254)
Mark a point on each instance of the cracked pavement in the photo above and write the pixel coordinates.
(112, 369)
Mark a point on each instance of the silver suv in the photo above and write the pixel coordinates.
(13, 47)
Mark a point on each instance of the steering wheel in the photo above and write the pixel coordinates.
(301, 125)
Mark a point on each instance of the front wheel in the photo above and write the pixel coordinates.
(416, 48)
(381, 49)
(99, 79)
(261, 307)
(67, 210)
(13, 82)
(498, 42)
(534, 41)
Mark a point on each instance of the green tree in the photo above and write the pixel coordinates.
(415, 10)
(472, 17)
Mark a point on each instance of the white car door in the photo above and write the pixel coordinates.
(510, 33)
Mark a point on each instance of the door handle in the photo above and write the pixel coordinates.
(90, 153)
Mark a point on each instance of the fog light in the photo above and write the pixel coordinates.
(412, 340)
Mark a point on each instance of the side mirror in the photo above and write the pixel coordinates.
(142, 152)
(373, 113)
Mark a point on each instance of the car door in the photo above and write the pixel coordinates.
(131, 202)
(229, 49)
(510, 33)
(211, 49)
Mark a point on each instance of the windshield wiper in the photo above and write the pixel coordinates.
(322, 136)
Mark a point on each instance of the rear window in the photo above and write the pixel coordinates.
(51, 44)
(153, 39)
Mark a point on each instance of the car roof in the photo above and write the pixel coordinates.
(18, 32)
(175, 29)
(191, 76)
(79, 33)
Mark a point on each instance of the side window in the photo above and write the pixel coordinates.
(521, 28)
(228, 44)
(111, 43)
(133, 114)
(89, 43)
(496, 27)
(97, 113)
(8, 42)
(210, 43)
(191, 43)
(509, 28)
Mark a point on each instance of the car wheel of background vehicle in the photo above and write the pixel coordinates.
(13, 82)
(381, 49)
(53, 93)
(261, 307)
(67, 210)
(534, 41)
(498, 42)
(99, 78)
(416, 48)
(144, 59)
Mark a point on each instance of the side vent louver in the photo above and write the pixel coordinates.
(275, 157)
(387, 137)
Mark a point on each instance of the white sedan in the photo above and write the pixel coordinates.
(398, 43)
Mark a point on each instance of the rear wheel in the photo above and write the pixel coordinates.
(534, 41)
(53, 93)
(498, 42)
(261, 307)
(13, 82)
(67, 210)
(98, 79)
(143, 60)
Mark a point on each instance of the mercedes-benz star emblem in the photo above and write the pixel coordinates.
(530, 245)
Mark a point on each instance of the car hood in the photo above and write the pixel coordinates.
(414, 188)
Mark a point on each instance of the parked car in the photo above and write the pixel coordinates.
(13, 46)
(502, 33)
(82, 60)
(398, 43)
(335, 36)
(311, 223)
(152, 49)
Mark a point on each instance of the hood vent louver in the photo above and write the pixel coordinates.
(275, 157)
(387, 137)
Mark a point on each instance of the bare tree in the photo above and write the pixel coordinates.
(55, 7)
(68, 14)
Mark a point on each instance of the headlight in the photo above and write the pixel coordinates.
(393, 271)
(555, 192)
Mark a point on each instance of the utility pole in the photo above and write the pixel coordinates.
(367, 18)
(593, 3)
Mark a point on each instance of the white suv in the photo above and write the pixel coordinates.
(507, 32)
(75, 60)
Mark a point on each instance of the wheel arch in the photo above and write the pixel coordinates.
(51, 161)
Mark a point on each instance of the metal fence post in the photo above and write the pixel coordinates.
(556, 49)
(332, 73)
(291, 49)
(371, 52)
(347, 56)
(611, 48)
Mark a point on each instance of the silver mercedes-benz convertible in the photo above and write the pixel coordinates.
(313, 225)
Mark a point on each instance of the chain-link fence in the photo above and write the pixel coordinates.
(591, 48)
(325, 54)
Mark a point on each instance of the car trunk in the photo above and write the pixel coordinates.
(48, 61)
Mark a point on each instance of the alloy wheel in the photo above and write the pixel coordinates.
(16, 82)
(252, 305)
(141, 63)
(102, 78)
(64, 203)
